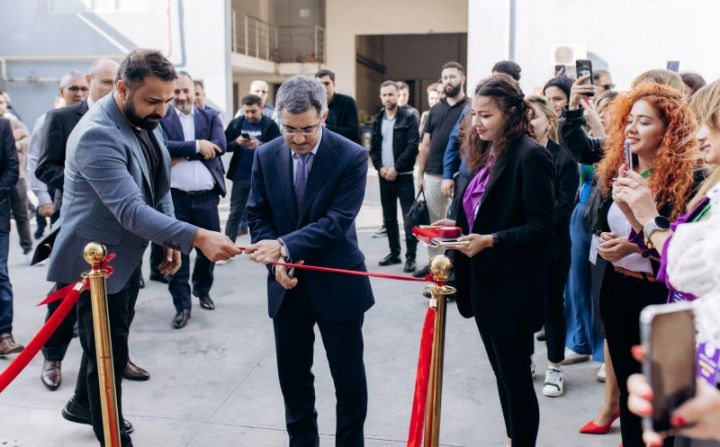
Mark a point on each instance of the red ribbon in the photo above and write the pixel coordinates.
(417, 416)
(69, 296)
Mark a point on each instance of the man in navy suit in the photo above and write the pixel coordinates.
(307, 189)
(195, 140)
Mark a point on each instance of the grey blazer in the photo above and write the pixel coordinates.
(108, 198)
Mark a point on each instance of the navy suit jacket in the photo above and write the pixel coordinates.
(323, 232)
(207, 127)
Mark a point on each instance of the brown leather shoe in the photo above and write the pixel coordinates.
(8, 345)
(134, 372)
(51, 375)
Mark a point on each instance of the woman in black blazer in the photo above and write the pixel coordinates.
(507, 214)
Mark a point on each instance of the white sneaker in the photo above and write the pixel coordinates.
(574, 357)
(553, 386)
(532, 367)
(600, 376)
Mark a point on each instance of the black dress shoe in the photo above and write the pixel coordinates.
(181, 319)
(74, 412)
(134, 372)
(410, 265)
(423, 272)
(390, 260)
(206, 302)
(51, 375)
(154, 276)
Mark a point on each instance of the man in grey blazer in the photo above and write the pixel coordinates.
(116, 192)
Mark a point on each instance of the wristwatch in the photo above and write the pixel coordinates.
(659, 223)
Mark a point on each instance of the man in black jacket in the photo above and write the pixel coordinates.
(342, 111)
(244, 134)
(393, 151)
(8, 179)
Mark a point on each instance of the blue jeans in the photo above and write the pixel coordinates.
(582, 336)
(6, 294)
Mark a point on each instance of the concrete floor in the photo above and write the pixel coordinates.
(214, 383)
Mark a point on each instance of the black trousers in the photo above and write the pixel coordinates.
(55, 348)
(294, 340)
(19, 208)
(510, 361)
(200, 210)
(622, 298)
(121, 310)
(238, 207)
(403, 188)
(555, 307)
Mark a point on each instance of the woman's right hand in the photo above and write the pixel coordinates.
(702, 411)
(579, 91)
(444, 223)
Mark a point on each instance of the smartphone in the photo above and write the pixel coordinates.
(561, 71)
(245, 135)
(668, 334)
(583, 67)
(673, 66)
(629, 165)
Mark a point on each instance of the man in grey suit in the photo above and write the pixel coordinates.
(116, 192)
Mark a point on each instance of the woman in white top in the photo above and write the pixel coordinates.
(660, 129)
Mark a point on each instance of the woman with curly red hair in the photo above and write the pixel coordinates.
(660, 129)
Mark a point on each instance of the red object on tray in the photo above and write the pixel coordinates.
(426, 233)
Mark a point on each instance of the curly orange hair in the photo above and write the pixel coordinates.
(671, 179)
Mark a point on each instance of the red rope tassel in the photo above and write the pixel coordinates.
(21, 361)
(417, 417)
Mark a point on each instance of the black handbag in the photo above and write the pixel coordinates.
(418, 213)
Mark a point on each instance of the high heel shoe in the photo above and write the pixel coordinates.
(593, 429)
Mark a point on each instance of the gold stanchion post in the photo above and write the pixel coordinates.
(95, 254)
(440, 268)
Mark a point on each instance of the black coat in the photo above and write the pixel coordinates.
(504, 286)
(586, 149)
(567, 179)
(405, 140)
(56, 130)
(8, 171)
(343, 117)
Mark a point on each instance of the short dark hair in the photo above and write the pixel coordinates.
(508, 67)
(325, 72)
(199, 83)
(251, 100)
(141, 63)
(564, 84)
(389, 84)
(452, 64)
(402, 85)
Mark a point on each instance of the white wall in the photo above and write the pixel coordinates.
(631, 35)
(347, 18)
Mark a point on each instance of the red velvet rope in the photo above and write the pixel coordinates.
(417, 416)
(69, 296)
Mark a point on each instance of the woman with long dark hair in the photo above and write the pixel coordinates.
(507, 215)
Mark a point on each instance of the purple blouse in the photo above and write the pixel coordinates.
(639, 239)
(475, 192)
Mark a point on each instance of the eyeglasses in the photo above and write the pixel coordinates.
(77, 88)
(306, 131)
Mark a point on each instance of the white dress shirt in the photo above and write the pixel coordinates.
(190, 175)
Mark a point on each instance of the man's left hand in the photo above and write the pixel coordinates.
(171, 262)
(265, 252)
(391, 174)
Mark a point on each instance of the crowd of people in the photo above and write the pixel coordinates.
(567, 237)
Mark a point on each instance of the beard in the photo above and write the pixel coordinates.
(147, 122)
(452, 91)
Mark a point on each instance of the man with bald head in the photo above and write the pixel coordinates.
(96, 84)
(260, 88)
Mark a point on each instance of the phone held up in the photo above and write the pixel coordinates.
(246, 136)
(629, 164)
(583, 67)
(668, 335)
(560, 71)
(673, 66)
